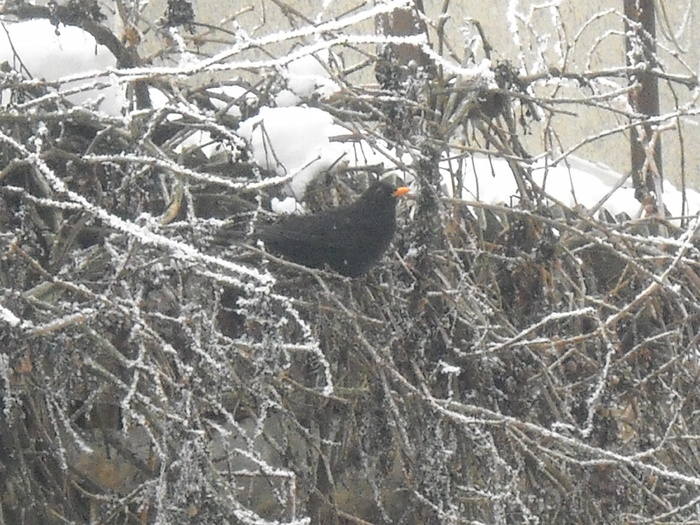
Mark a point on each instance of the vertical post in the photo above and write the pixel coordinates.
(405, 21)
(641, 49)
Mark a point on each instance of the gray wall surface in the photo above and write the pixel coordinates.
(573, 36)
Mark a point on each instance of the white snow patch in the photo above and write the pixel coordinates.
(235, 93)
(286, 99)
(299, 141)
(308, 75)
(286, 205)
(572, 182)
(52, 53)
(9, 317)
(294, 139)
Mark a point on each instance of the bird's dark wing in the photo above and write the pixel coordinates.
(337, 239)
(303, 239)
(349, 239)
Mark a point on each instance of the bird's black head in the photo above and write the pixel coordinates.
(381, 195)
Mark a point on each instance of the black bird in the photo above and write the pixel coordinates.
(349, 239)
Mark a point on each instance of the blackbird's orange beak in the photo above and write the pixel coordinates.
(403, 190)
